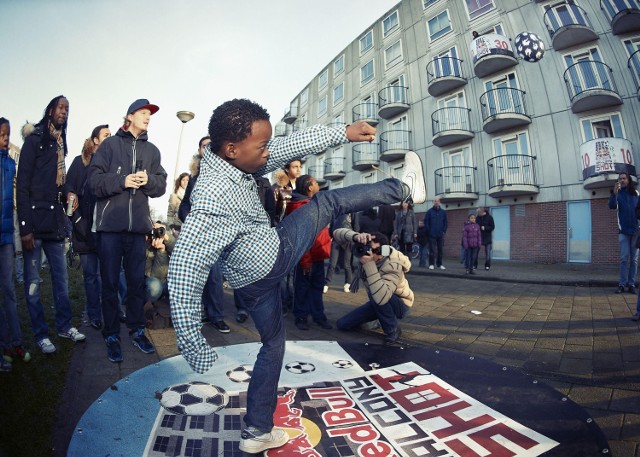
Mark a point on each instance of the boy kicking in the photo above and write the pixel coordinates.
(229, 225)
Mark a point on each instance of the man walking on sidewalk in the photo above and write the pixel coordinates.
(435, 221)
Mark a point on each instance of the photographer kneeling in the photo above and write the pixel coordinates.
(382, 269)
(159, 246)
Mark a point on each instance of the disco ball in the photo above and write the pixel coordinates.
(529, 46)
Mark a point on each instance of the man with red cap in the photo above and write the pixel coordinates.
(124, 173)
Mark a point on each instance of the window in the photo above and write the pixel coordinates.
(479, 7)
(390, 23)
(323, 79)
(439, 25)
(338, 93)
(604, 126)
(366, 73)
(338, 66)
(454, 114)
(393, 54)
(304, 97)
(586, 71)
(428, 3)
(633, 50)
(396, 91)
(457, 172)
(339, 119)
(322, 106)
(446, 64)
(366, 42)
(514, 167)
(500, 98)
(517, 144)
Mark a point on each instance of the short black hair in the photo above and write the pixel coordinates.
(302, 184)
(202, 139)
(232, 121)
(4, 121)
(379, 237)
(96, 132)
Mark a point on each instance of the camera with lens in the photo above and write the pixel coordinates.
(157, 232)
(361, 249)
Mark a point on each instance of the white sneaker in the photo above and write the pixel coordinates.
(442, 267)
(413, 176)
(325, 289)
(46, 346)
(346, 287)
(252, 441)
(72, 334)
(431, 267)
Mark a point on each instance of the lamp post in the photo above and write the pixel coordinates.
(184, 116)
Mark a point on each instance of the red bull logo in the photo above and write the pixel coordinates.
(303, 433)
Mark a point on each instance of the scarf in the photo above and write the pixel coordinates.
(61, 171)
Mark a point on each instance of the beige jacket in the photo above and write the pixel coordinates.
(385, 277)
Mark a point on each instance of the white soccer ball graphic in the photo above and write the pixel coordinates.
(240, 374)
(193, 399)
(529, 46)
(300, 367)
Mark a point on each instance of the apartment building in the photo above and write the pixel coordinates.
(540, 144)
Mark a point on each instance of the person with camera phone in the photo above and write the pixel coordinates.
(160, 243)
(382, 270)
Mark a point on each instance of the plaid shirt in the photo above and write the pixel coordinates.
(228, 224)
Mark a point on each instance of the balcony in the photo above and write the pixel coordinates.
(624, 15)
(394, 144)
(603, 159)
(317, 171)
(491, 53)
(393, 100)
(456, 184)
(503, 108)
(568, 25)
(291, 115)
(591, 85)
(444, 74)
(367, 112)
(512, 174)
(634, 67)
(450, 125)
(334, 168)
(280, 129)
(365, 156)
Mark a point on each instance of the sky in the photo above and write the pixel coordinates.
(180, 54)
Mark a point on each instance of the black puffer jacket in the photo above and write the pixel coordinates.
(117, 208)
(39, 199)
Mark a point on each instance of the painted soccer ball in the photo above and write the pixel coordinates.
(529, 46)
(342, 364)
(240, 374)
(300, 367)
(193, 399)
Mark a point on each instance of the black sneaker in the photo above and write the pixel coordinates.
(241, 317)
(301, 323)
(324, 324)
(141, 341)
(221, 326)
(114, 353)
(393, 337)
(97, 324)
(632, 289)
(620, 289)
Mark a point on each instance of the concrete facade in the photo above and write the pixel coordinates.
(543, 140)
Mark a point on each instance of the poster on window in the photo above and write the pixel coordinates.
(606, 155)
(490, 44)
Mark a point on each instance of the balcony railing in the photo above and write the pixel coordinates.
(504, 107)
(317, 171)
(393, 100)
(291, 115)
(591, 77)
(568, 25)
(450, 125)
(444, 74)
(394, 144)
(634, 67)
(365, 155)
(491, 53)
(624, 15)
(334, 168)
(367, 111)
(512, 170)
(456, 180)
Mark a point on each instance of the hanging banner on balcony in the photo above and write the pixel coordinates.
(606, 155)
(490, 44)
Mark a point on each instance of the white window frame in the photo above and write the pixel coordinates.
(394, 60)
(338, 68)
(441, 34)
(614, 119)
(339, 119)
(393, 26)
(427, 3)
(373, 72)
(396, 170)
(478, 11)
(323, 79)
(369, 178)
(323, 102)
(364, 50)
(337, 100)
(304, 97)
(512, 138)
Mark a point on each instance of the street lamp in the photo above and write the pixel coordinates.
(184, 116)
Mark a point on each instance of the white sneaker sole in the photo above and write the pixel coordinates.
(414, 177)
(254, 446)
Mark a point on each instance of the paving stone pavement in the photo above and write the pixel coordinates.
(561, 324)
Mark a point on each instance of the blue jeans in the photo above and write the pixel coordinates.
(213, 295)
(333, 261)
(263, 299)
(92, 285)
(307, 293)
(54, 250)
(388, 315)
(470, 258)
(126, 250)
(435, 250)
(628, 259)
(424, 251)
(488, 248)
(10, 332)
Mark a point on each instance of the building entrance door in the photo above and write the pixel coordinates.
(502, 233)
(579, 232)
